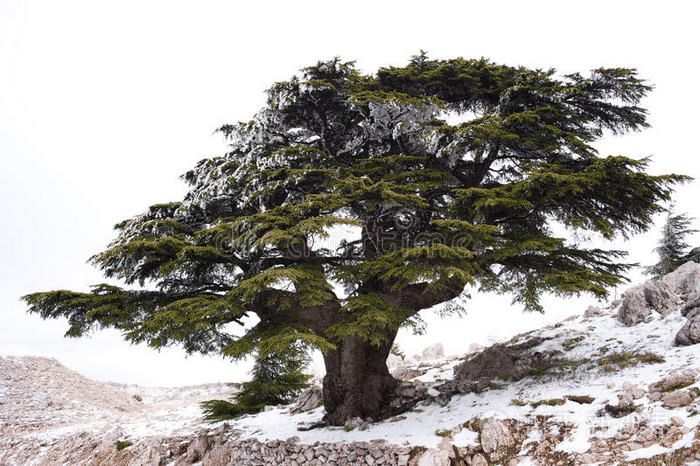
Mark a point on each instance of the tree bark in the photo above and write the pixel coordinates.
(357, 381)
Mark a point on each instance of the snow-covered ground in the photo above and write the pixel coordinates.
(603, 359)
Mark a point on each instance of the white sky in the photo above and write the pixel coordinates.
(104, 104)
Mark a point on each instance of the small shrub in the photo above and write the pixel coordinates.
(137, 397)
(443, 433)
(571, 342)
(620, 411)
(574, 362)
(650, 358)
(122, 444)
(628, 359)
(580, 399)
(517, 402)
(552, 402)
(221, 410)
(397, 352)
(678, 387)
(538, 372)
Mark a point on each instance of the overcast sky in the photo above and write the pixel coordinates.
(103, 105)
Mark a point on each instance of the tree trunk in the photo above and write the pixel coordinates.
(357, 381)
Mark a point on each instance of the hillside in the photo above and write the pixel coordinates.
(608, 386)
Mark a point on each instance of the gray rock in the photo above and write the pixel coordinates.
(691, 305)
(503, 361)
(689, 334)
(639, 301)
(309, 399)
(675, 380)
(685, 280)
(592, 311)
(432, 352)
(496, 440)
(679, 398)
(407, 373)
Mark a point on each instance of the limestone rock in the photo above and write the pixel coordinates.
(691, 304)
(407, 373)
(689, 334)
(679, 398)
(309, 399)
(592, 311)
(496, 440)
(685, 280)
(479, 460)
(639, 301)
(674, 380)
(432, 352)
(501, 361)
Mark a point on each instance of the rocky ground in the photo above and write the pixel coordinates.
(612, 385)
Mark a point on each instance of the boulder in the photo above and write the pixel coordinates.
(679, 398)
(309, 399)
(639, 301)
(503, 361)
(497, 441)
(433, 352)
(407, 373)
(689, 334)
(685, 280)
(592, 311)
(675, 380)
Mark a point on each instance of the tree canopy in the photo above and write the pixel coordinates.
(352, 201)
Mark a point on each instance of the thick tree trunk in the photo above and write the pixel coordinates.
(357, 381)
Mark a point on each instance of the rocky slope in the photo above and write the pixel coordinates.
(609, 386)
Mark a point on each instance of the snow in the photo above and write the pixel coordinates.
(465, 437)
(175, 411)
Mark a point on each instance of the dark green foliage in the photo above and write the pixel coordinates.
(427, 207)
(672, 246)
(277, 380)
(122, 444)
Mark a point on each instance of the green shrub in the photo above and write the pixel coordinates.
(277, 380)
(122, 444)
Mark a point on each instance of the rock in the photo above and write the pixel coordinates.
(309, 399)
(496, 440)
(674, 380)
(587, 458)
(647, 434)
(673, 435)
(691, 304)
(479, 460)
(639, 301)
(432, 352)
(436, 457)
(679, 398)
(676, 421)
(504, 361)
(407, 373)
(592, 311)
(410, 389)
(685, 280)
(393, 362)
(689, 334)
